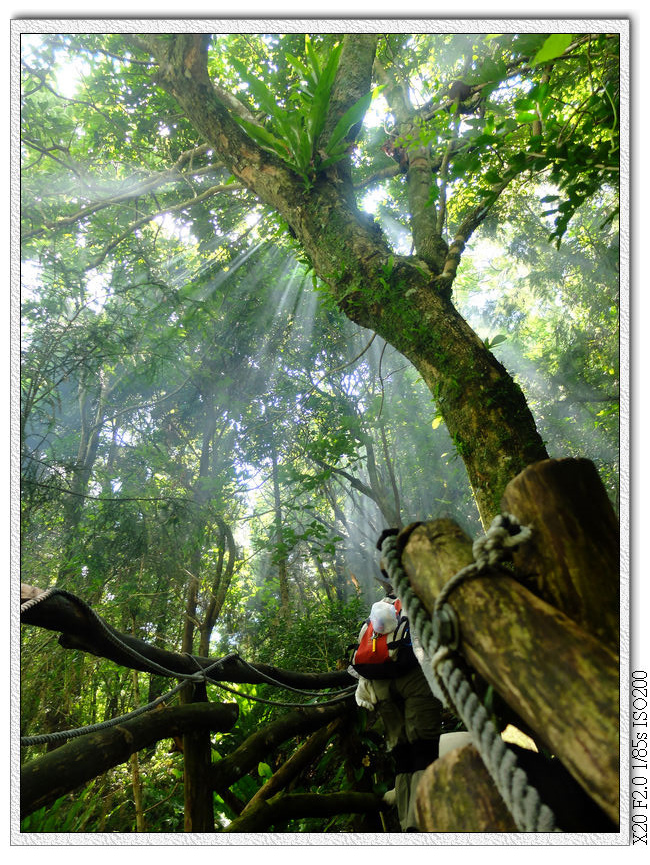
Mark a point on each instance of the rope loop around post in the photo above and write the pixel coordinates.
(439, 635)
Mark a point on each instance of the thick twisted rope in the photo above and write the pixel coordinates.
(438, 635)
(63, 735)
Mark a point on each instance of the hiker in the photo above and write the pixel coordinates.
(391, 682)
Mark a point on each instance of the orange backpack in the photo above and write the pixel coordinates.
(384, 656)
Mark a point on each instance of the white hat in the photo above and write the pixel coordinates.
(383, 617)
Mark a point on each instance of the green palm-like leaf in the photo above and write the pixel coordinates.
(351, 117)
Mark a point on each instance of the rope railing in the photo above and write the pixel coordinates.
(438, 635)
(200, 675)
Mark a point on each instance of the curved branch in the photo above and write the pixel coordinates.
(468, 226)
(183, 71)
(258, 746)
(79, 631)
(189, 202)
(136, 190)
(297, 763)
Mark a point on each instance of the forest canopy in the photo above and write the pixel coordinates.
(280, 292)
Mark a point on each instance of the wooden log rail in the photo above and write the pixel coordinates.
(80, 631)
(562, 680)
(45, 778)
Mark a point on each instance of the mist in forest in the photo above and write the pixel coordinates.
(211, 445)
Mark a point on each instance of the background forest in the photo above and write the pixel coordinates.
(212, 438)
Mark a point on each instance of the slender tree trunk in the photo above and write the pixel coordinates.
(280, 555)
(91, 421)
(220, 585)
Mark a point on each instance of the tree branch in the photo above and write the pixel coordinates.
(136, 190)
(353, 80)
(297, 763)
(258, 746)
(189, 202)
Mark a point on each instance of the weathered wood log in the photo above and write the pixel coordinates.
(80, 631)
(293, 806)
(259, 744)
(561, 681)
(197, 762)
(573, 559)
(44, 779)
(457, 794)
(297, 763)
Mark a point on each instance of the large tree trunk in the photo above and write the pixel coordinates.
(405, 300)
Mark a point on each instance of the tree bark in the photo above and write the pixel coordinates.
(79, 631)
(220, 584)
(572, 560)
(197, 760)
(46, 778)
(401, 298)
(136, 782)
(457, 794)
(561, 681)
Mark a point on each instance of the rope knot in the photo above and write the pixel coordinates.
(504, 535)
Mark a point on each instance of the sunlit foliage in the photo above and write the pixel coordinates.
(206, 438)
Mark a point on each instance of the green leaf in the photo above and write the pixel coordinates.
(299, 66)
(553, 47)
(352, 116)
(261, 93)
(527, 117)
(264, 138)
(490, 343)
(311, 54)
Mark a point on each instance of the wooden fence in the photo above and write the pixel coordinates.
(546, 638)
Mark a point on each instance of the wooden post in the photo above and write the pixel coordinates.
(448, 801)
(572, 559)
(560, 680)
(197, 763)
